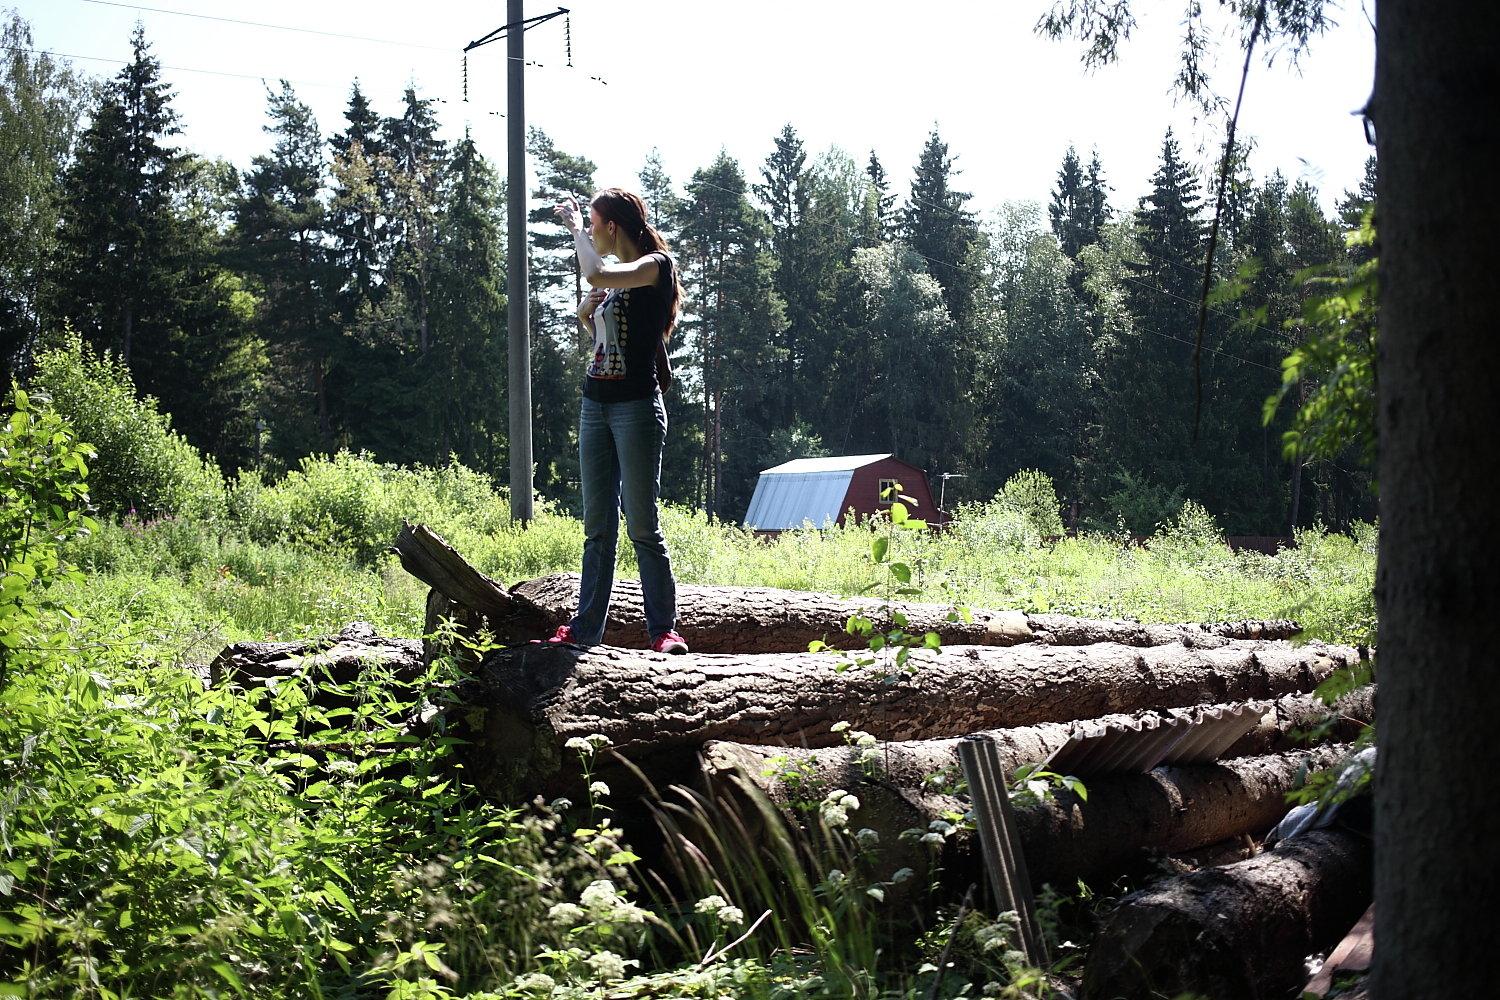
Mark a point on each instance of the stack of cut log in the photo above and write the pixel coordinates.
(751, 706)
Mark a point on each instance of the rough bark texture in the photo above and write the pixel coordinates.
(341, 657)
(788, 775)
(1439, 366)
(1239, 932)
(765, 620)
(1170, 810)
(527, 701)
(762, 619)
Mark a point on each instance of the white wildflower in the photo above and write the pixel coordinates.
(731, 915)
(838, 727)
(578, 743)
(710, 904)
(567, 914)
(598, 788)
(862, 739)
(935, 839)
(606, 965)
(941, 826)
(536, 982)
(867, 838)
(599, 896)
(836, 877)
(598, 741)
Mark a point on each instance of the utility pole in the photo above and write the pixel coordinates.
(518, 314)
(518, 319)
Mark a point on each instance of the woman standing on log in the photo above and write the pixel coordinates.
(622, 424)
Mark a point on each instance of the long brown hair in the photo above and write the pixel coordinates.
(626, 210)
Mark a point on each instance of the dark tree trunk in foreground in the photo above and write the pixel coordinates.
(527, 701)
(792, 775)
(1239, 932)
(1439, 362)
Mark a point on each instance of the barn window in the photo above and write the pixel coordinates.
(883, 497)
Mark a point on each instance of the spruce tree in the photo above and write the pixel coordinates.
(940, 227)
(786, 195)
(681, 461)
(469, 343)
(736, 318)
(1066, 208)
(357, 221)
(1147, 420)
(280, 239)
(118, 263)
(417, 159)
(558, 351)
(881, 209)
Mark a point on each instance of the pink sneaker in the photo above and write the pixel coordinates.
(669, 642)
(564, 633)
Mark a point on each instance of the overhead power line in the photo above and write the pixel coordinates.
(275, 27)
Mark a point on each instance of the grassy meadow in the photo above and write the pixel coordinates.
(163, 839)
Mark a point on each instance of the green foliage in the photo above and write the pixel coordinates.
(142, 465)
(41, 102)
(43, 496)
(356, 504)
(1140, 506)
(1021, 515)
(1337, 358)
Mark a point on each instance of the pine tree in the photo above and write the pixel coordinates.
(279, 233)
(41, 102)
(118, 262)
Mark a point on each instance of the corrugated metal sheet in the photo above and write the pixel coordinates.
(835, 463)
(787, 499)
(1136, 744)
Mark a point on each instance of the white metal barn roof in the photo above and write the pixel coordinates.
(806, 489)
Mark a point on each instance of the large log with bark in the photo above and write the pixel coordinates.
(340, 658)
(763, 619)
(527, 701)
(1169, 810)
(789, 776)
(1239, 932)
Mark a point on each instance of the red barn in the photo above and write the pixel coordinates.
(822, 491)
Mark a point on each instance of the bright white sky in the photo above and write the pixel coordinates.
(692, 77)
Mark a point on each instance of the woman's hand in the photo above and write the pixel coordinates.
(570, 214)
(589, 303)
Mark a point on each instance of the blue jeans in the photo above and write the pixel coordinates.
(619, 460)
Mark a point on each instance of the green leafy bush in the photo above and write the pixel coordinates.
(1023, 513)
(142, 466)
(353, 502)
(42, 501)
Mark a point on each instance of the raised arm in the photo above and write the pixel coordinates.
(636, 274)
